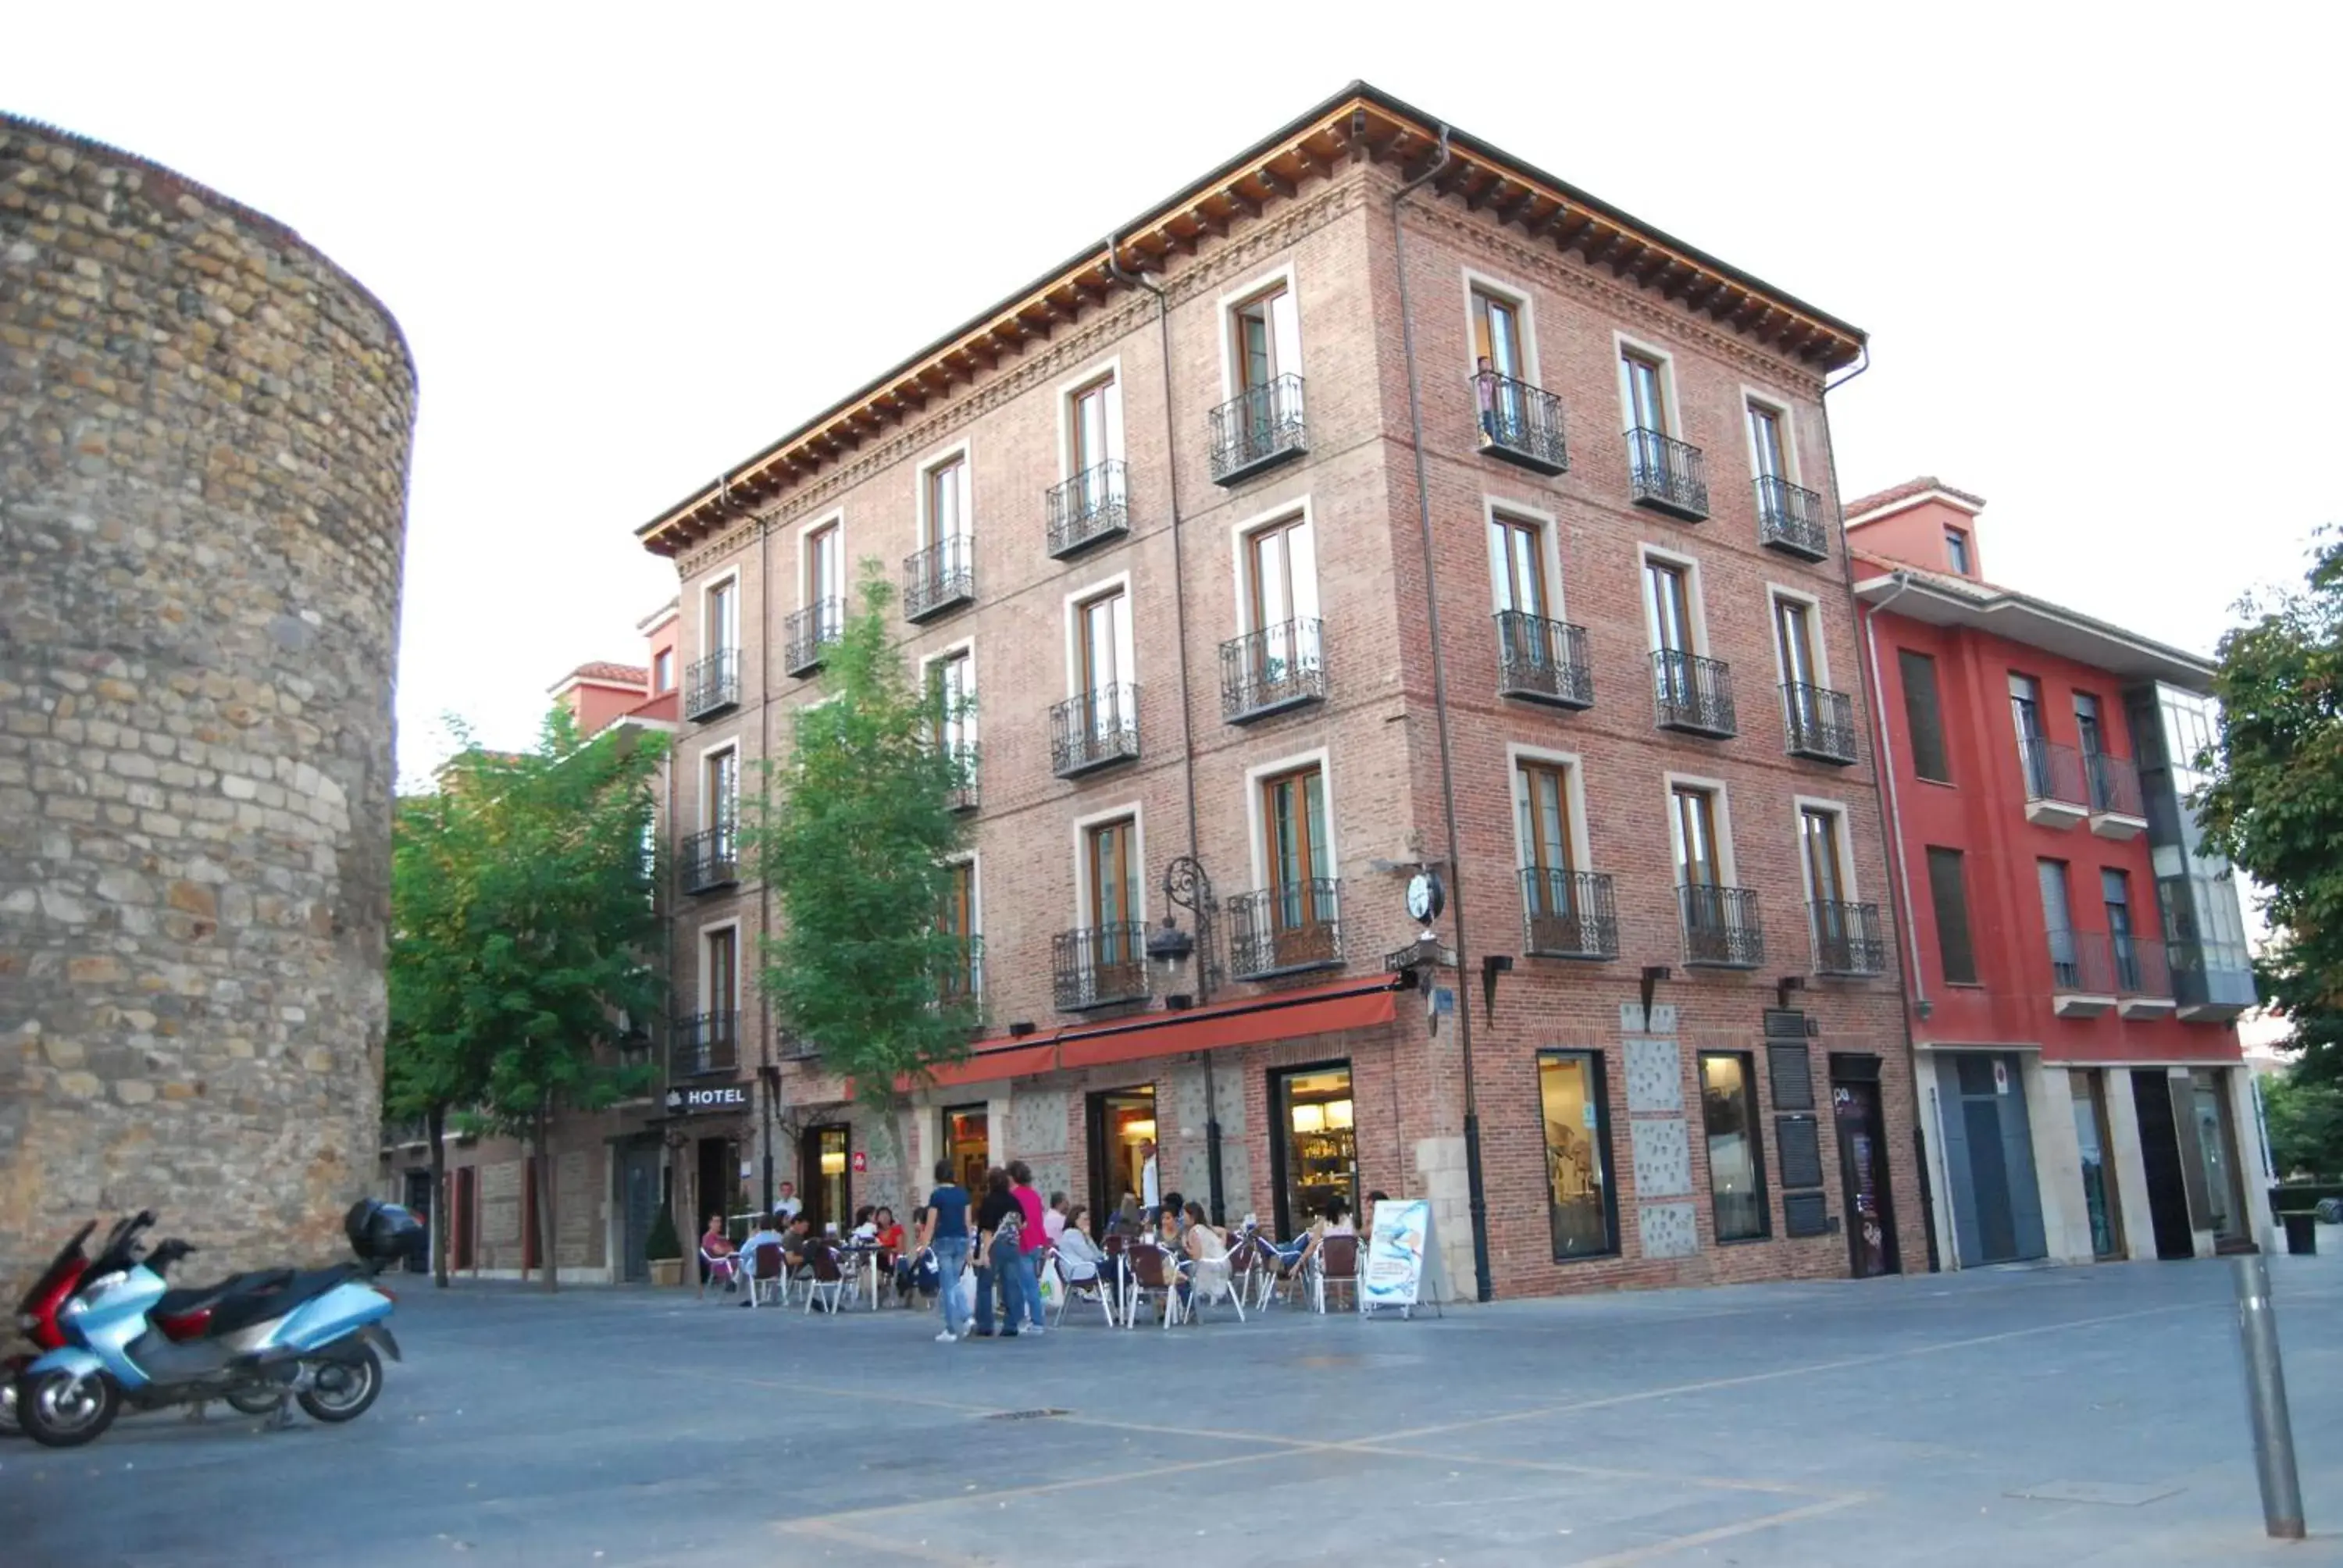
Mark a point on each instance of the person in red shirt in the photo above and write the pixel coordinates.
(1029, 1240)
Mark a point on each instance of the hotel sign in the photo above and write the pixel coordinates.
(687, 1100)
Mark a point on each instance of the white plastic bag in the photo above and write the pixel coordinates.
(1053, 1285)
(966, 1287)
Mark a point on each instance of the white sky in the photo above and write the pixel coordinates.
(2094, 247)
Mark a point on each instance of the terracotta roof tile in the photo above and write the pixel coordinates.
(610, 673)
(1905, 492)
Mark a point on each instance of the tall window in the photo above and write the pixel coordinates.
(1956, 551)
(1794, 639)
(663, 670)
(1267, 338)
(1095, 435)
(826, 579)
(723, 802)
(1924, 716)
(1282, 574)
(958, 919)
(2115, 896)
(955, 679)
(1765, 443)
(1301, 864)
(1572, 1107)
(1737, 1163)
(1104, 661)
(1693, 827)
(723, 993)
(1545, 817)
(2057, 914)
(2088, 737)
(947, 499)
(1818, 829)
(2033, 748)
(1667, 602)
(1517, 564)
(1949, 896)
(1109, 859)
(723, 628)
(1646, 391)
(1497, 335)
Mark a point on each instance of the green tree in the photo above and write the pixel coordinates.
(854, 834)
(2274, 807)
(527, 938)
(2306, 1124)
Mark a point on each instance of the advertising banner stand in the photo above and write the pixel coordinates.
(1403, 1267)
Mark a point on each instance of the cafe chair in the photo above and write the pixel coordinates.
(1148, 1271)
(768, 1277)
(1213, 1279)
(824, 1276)
(717, 1268)
(1335, 1265)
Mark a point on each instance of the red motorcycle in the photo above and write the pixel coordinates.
(37, 1319)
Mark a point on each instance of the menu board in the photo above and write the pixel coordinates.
(1403, 1257)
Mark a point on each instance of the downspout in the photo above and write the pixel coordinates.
(1215, 1187)
(769, 1084)
(1476, 1192)
(1883, 784)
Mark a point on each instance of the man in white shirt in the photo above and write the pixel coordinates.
(786, 1205)
(1151, 1189)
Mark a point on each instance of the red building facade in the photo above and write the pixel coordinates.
(2075, 959)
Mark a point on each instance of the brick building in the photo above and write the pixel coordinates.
(1165, 516)
(2078, 959)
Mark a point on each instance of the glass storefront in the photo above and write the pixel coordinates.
(1737, 1163)
(1316, 1149)
(968, 1144)
(1577, 1153)
(1122, 1141)
(2098, 1174)
(826, 1184)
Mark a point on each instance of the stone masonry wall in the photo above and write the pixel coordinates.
(204, 431)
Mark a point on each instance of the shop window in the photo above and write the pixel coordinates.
(1315, 1151)
(1736, 1162)
(1122, 1146)
(1571, 1102)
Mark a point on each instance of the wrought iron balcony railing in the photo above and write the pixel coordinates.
(1543, 661)
(1667, 475)
(1094, 730)
(809, 630)
(1790, 519)
(964, 981)
(705, 1043)
(2053, 771)
(1098, 966)
(2115, 784)
(1091, 506)
(2142, 967)
(967, 759)
(711, 859)
(939, 577)
(1721, 926)
(712, 684)
(1848, 939)
(1568, 914)
(1820, 722)
(1521, 423)
(1693, 694)
(1256, 429)
(2081, 962)
(1276, 667)
(1287, 930)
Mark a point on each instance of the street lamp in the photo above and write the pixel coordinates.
(1187, 886)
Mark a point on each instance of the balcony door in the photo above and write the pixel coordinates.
(1111, 867)
(1794, 640)
(1827, 900)
(1517, 566)
(2115, 894)
(2057, 915)
(957, 920)
(2026, 716)
(1497, 336)
(1693, 827)
(1282, 593)
(1267, 344)
(719, 1000)
(1548, 888)
(826, 581)
(1647, 404)
(1104, 659)
(948, 503)
(1765, 445)
(1094, 425)
(723, 629)
(1301, 870)
(956, 705)
(721, 806)
(1667, 602)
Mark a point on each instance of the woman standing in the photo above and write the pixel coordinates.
(943, 1230)
(1000, 1240)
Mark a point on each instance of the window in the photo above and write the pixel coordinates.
(1571, 1103)
(663, 670)
(1737, 1165)
(1111, 898)
(1923, 716)
(1793, 640)
(955, 685)
(965, 980)
(721, 633)
(1300, 857)
(1667, 603)
(722, 992)
(1644, 382)
(1951, 900)
(1693, 827)
(2033, 753)
(2088, 737)
(1545, 821)
(2057, 914)
(1497, 335)
(945, 507)
(1281, 565)
(1266, 340)
(720, 803)
(1766, 446)
(1818, 833)
(1094, 445)
(826, 580)
(1517, 564)
(1104, 656)
(1956, 551)
(2114, 895)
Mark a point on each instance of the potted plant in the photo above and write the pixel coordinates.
(664, 1251)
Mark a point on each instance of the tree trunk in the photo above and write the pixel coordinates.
(545, 1201)
(443, 1217)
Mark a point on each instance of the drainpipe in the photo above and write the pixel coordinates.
(768, 1085)
(1214, 1188)
(1475, 1191)
(1882, 783)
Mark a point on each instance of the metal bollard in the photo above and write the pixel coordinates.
(2265, 1402)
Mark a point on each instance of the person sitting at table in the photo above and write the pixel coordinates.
(1054, 1218)
(1335, 1221)
(773, 1232)
(865, 1228)
(888, 1236)
(1080, 1259)
(1126, 1222)
(1205, 1257)
(719, 1261)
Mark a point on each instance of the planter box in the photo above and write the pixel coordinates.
(666, 1271)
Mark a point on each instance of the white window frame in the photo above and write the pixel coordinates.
(1256, 830)
(1728, 871)
(1097, 370)
(925, 524)
(836, 520)
(667, 653)
(1773, 403)
(1079, 597)
(1516, 295)
(1549, 550)
(1694, 598)
(739, 967)
(1137, 811)
(1821, 649)
(1799, 806)
(1622, 345)
(1241, 556)
(928, 665)
(729, 576)
(1582, 852)
(707, 817)
(1224, 316)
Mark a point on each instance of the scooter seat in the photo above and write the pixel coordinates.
(195, 1298)
(245, 1308)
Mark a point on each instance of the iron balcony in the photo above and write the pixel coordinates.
(1543, 661)
(1091, 508)
(1286, 930)
(1098, 966)
(1258, 429)
(1094, 730)
(939, 577)
(1693, 694)
(1721, 926)
(2056, 794)
(1790, 519)
(1820, 722)
(2081, 974)
(1848, 937)
(2143, 976)
(1667, 476)
(2117, 809)
(1269, 670)
(809, 630)
(712, 684)
(1521, 423)
(705, 1043)
(1568, 914)
(711, 859)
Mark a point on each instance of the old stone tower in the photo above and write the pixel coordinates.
(204, 430)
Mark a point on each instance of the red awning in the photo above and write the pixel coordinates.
(1014, 1061)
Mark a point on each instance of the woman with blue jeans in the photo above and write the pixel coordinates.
(999, 1227)
(943, 1230)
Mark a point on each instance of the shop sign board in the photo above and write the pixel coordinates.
(1403, 1257)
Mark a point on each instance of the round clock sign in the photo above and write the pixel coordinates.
(1425, 897)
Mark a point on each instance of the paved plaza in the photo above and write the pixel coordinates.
(2074, 1416)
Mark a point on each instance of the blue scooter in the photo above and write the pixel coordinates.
(254, 1339)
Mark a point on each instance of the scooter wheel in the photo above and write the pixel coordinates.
(60, 1411)
(341, 1390)
(254, 1401)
